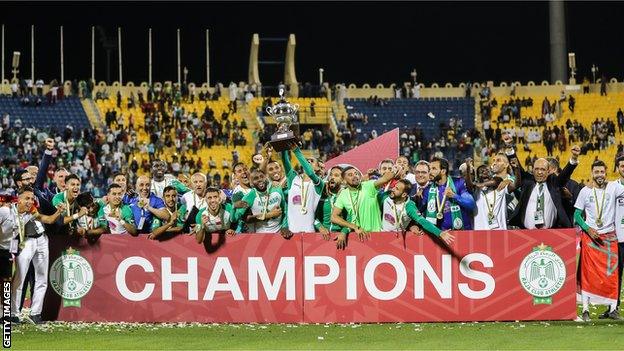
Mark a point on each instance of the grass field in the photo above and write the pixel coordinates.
(597, 334)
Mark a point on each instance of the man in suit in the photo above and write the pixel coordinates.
(541, 204)
(541, 193)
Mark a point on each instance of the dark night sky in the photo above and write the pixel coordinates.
(356, 42)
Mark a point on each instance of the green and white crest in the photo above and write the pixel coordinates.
(542, 273)
(71, 276)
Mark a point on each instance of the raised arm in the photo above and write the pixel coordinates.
(385, 178)
(410, 209)
(309, 171)
(566, 173)
(44, 164)
(288, 169)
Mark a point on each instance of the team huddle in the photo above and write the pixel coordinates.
(274, 197)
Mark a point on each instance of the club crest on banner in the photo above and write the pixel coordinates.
(542, 273)
(71, 276)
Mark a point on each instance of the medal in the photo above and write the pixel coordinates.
(440, 205)
(599, 223)
(490, 209)
(303, 211)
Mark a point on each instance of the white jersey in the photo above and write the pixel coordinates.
(193, 200)
(221, 221)
(619, 216)
(158, 187)
(301, 209)
(262, 204)
(390, 213)
(595, 200)
(490, 201)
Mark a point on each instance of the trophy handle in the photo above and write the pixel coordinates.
(295, 108)
(268, 111)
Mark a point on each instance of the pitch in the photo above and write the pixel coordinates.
(597, 334)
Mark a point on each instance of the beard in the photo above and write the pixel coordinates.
(334, 187)
(599, 180)
(437, 178)
(355, 183)
(262, 187)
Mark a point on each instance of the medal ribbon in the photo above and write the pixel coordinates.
(600, 209)
(438, 203)
(21, 228)
(305, 190)
(398, 215)
(356, 208)
(490, 209)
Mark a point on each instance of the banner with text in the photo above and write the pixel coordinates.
(483, 276)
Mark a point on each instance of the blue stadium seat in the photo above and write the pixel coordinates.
(67, 111)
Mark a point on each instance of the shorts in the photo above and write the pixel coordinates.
(6, 264)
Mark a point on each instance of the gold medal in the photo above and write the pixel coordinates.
(599, 223)
(303, 211)
(440, 215)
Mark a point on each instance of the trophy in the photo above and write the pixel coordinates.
(285, 115)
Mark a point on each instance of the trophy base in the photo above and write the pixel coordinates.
(282, 141)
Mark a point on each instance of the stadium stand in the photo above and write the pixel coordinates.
(217, 152)
(67, 111)
(587, 110)
(426, 113)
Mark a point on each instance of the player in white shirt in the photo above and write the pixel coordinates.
(398, 212)
(304, 191)
(598, 281)
(196, 197)
(619, 231)
(267, 207)
(28, 246)
(242, 181)
(161, 180)
(489, 193)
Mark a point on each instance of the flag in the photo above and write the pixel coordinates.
(369, 154)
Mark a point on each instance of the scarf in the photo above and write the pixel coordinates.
(435, 211)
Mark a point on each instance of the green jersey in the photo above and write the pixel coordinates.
(157, 222)
(398, 217)
(223, 220)
(114, 225)
(263, 203)
(362, 206)
(324, 212)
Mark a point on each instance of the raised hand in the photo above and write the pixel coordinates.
(576, 151)
(49, 144)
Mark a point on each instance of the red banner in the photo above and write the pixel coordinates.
(497, 275)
